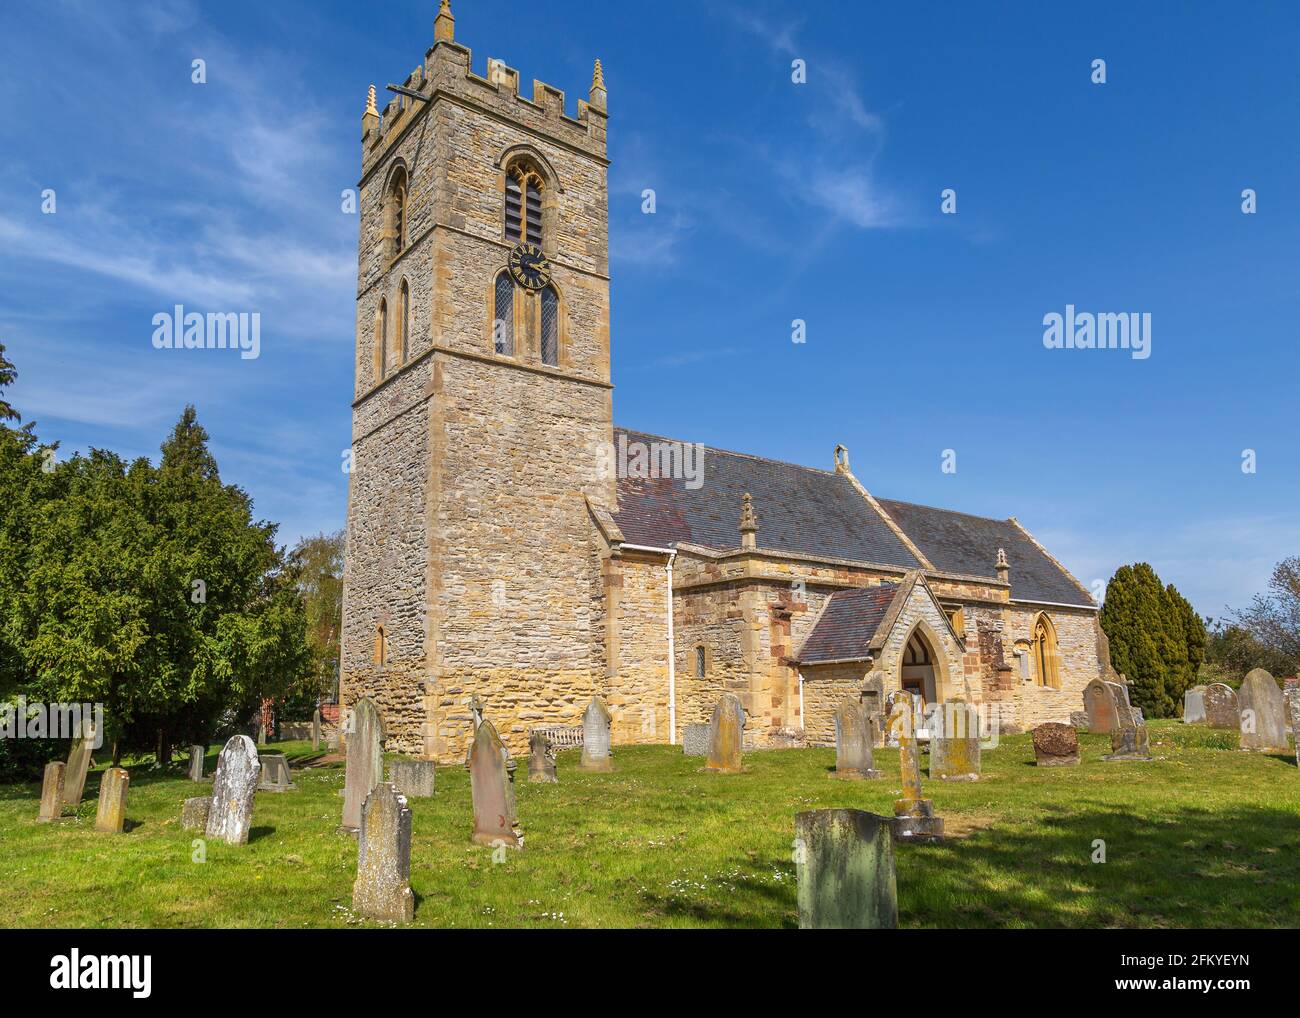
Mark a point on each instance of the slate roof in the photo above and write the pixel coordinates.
(819, 513)
(847, 624)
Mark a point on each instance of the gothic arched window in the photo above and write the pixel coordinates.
(1045, 653)
(381, 341)
(404, 321)
(503, 316)
(395, 213)
(524, 204)
(550, 327)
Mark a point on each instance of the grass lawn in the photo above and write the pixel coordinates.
(1203, 836)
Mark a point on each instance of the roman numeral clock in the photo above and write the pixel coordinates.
(529, 267)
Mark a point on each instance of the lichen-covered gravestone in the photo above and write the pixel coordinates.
(196, 762)
(52, 791)
(275, 773)
(195, 813)
(79, 761)
(1056, 745)
(541, 759)
(383, 885)
(595, 738)
(725, 733)
(233, 790)
(1194, 706)
(365, 766)
(913, 816)
(695, 740)
(844, 860)
(853, 760)
(491, 783)
(1221, 707)
(413, 778)
(1099, 703)
(1263, 713)
(111, 816)
(1130, 740)
(955, 742)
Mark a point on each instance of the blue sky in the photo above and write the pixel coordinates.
(775, 201)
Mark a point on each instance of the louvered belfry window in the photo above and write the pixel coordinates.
(550, 327)
(514, 208)
(503, 325)
(534, 200)
(524, 205)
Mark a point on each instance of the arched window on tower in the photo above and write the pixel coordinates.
(550, 327)
(503, 316)
(381, 341)
(524, 204)
(404, 322)
(395, 213)
(1045, 653)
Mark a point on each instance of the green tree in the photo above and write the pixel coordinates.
(1273, 618)
(1154, 636)
(318, 561)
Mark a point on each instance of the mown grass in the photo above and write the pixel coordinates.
(1205, 836)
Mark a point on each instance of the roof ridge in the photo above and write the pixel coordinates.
(731, 452)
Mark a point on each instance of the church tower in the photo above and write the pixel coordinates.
(482, 406)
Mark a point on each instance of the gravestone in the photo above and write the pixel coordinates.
(845, 866)
(1293, 706)
(195, 813)
(1056, 745)
(1079, 719)
(1221, 707)
(595, 738)
(853, 761)
(1194, 706)
(233, 790)
(315, 730)
(275, 774)
(52, 791)
(725, 732)
(261, 731)
(695, 740)
(111, 816)
(541, 759)
(1263, 713)
(955, 742)
(383, 885)
(1129, 741)
(413, 778)
(492, 787)
(196, 762)
(914, 817)
(79, 761)
(1099, 703)
(365, 766)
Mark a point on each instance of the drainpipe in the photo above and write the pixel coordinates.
(803, 718)
(672, 659)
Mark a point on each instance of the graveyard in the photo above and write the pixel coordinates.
(1202, 835)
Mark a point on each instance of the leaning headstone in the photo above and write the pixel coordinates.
(79, 761)
(413, 778)
(492, 787)
(595, 738)
(1221, 707)
(1263, 713)
(52, 791)
(844, 861)
(1194, 706)
(233, 790)
(383, 885)
(695, 740)
(275, 774)
(853, 760)
(541, 759)
(1099, 703)
(955, 742)
(111, 816)
(365, 766)
(914, 817)
(1129, 741)
(195, 813)
(196, 762)
(1056, 745)
(725, 732)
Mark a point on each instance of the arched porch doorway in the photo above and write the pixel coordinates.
(920, 669)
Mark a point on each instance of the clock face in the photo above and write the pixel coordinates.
(529, 267)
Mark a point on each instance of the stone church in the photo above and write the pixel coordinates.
(506, 541)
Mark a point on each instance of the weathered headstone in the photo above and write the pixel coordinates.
(276, 776)
(111, 816)
(955, 742)
(52, 791)
(853, 759)
(913, 816)
(1079, 720)
(1056, 745)
(1194, 706)
(1293, 707)
(79, 761)
(1130, 740)
(233, 791)
(595, 737)
(1221, 707)
(1263, 713)
(261, 731)
(383, 885)
(315, 730)
(365, 766)
(413, 778)
(541, 759)
(195, 813)
(197, 754)
(725, 733)
(1099, 703)
(491, 782)
(844, 861)
(695, 740)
